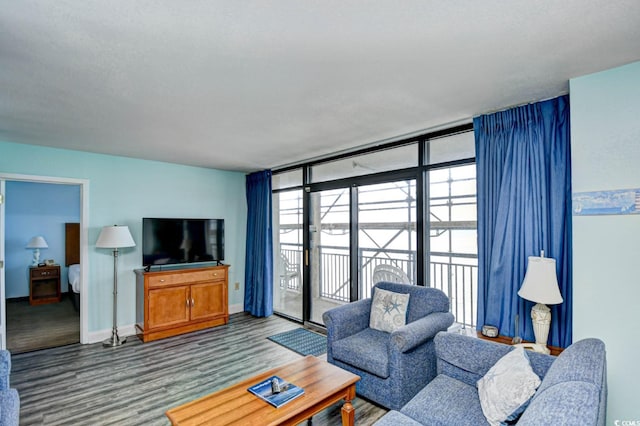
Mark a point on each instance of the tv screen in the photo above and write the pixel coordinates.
(173, 241)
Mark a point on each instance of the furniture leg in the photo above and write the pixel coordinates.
(348, 411)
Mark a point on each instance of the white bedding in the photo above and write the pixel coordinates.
(74, 277)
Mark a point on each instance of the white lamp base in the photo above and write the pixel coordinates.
(36, 257)
(541, 319)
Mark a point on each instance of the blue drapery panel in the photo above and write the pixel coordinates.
(523, 161)
(258, 292)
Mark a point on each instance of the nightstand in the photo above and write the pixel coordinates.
(44, 284)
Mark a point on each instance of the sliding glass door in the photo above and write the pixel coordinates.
(287, 253)
(329, 258)
(386, 233)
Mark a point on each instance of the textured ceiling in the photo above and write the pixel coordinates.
(247, 85)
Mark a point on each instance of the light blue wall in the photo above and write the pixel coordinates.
(124, 190)
(36, 209)
(605, 140)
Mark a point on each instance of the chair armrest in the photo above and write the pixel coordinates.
(346, 320)
(10, 411)
(5, 369)
(416, 333)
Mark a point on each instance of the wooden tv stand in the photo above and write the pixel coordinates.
(180, 300)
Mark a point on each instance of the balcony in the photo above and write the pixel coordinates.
(454, 274)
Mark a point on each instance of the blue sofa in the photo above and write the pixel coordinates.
(9, 399)
(573, 389)
(386, 362)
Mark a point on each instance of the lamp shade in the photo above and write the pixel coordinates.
(115, 237)
(37, 242)
(540, 283)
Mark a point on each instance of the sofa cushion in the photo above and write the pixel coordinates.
(444, 402)
(388, 310)
(395, 418)
(367, 350)
(507, 387)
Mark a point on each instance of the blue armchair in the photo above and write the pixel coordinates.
(393, 366)
(9, 399)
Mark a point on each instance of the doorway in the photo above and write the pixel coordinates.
(16, 261)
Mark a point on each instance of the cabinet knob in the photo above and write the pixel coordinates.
(161, 280)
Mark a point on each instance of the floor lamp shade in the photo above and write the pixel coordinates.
(115, 237)
(540, 285)
(36, 243)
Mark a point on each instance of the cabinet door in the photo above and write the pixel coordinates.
(168, 306)
(208, 300)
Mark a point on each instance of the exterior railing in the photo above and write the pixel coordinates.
(455, 274)
(457, 277)
(334, 273)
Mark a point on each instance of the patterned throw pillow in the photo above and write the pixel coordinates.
(388, 310)
(507, 387)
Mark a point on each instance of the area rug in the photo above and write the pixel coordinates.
(301, 341)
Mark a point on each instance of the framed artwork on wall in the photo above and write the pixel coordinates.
(615, 202)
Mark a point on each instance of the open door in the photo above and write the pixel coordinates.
(3, 322)
(84, 253)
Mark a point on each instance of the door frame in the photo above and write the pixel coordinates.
(84, 246)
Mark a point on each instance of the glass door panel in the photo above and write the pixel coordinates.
(329, 251)
(387, 235)
(287, 253)
(453, 258)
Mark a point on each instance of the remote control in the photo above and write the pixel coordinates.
(275, 386)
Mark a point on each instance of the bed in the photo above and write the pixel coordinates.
(72, 261)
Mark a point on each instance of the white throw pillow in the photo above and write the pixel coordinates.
(388, 310)
(507, 387)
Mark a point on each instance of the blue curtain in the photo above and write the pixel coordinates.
(523, 162)
(258, 292)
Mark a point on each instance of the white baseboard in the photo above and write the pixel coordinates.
(237, 308)
(123, 331)
(130, 330)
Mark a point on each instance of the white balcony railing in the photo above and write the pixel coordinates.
(454, 274)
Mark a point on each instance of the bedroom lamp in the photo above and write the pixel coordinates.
(540, 285)
(115, 237)
(37, 243)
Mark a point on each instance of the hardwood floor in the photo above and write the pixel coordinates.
(136, 383)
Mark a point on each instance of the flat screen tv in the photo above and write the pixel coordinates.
(168, 241)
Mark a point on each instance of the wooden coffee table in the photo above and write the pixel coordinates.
(324, 384)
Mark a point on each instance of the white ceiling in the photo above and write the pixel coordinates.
(247, 85)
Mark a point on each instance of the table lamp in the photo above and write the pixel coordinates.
(540, 285)
(115, 237)
(37, 243)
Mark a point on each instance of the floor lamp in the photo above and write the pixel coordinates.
(115, 237)
(540, 285)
